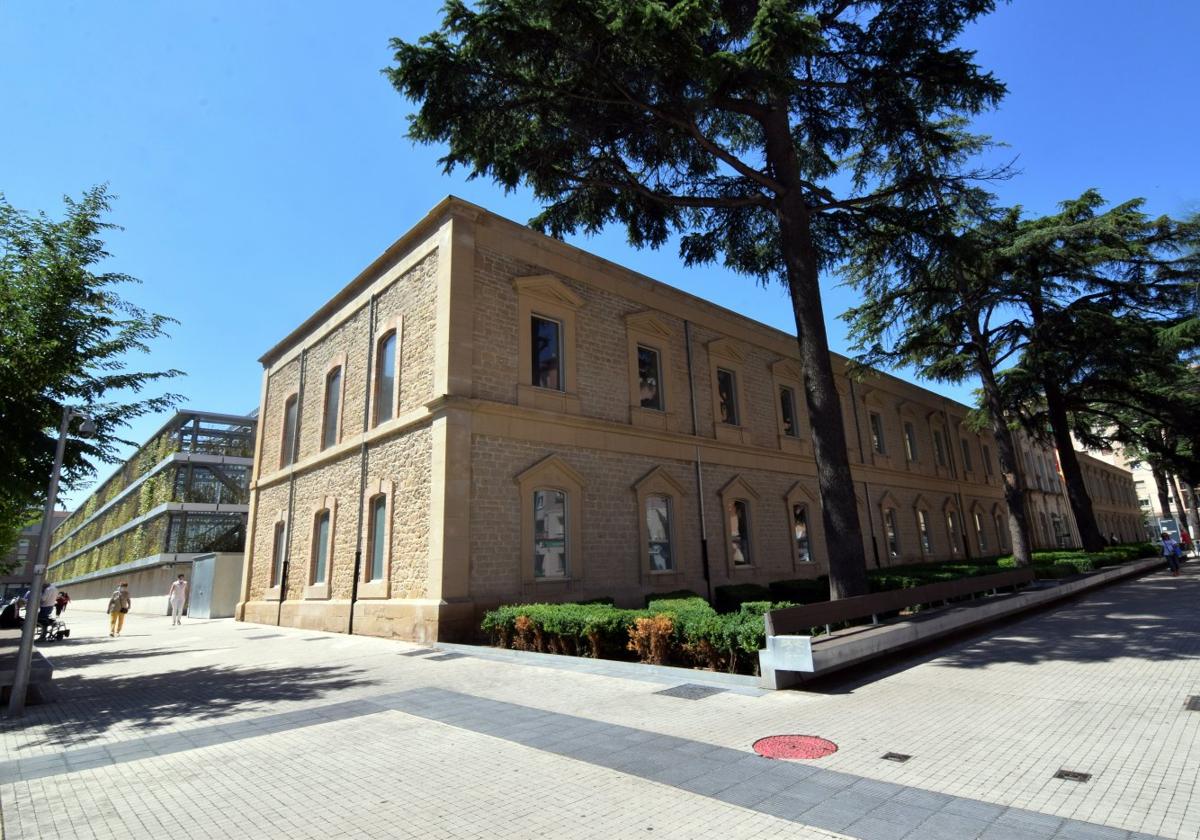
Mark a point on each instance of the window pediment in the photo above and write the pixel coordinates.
(798, 492)
(920, 503)
(787, 369)
(552, 471)
(658, 480)
(647, 323)
(725, 348)
(549, 288)
(736, 487)
(888, 501)
(949, 506)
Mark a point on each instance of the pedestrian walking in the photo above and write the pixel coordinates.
(60, 603)
(118, 604)
(49, 596)
(177, 597)
(1172, 552)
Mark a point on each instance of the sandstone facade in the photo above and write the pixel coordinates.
(506, 481)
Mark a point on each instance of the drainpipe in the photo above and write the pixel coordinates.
(862, 459)
(687, 338)
(287, 551)
(362, 463)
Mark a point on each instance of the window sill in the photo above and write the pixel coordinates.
(317, 592)
(727, 433)
(789, 443)
(272, 593)
(547, 399)
(650, 418)
(374, 589)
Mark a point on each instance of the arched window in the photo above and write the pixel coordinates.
(331, 419)
(800, 533)
(923, 531)
(891, 532)
(290, 443)
(385, 378)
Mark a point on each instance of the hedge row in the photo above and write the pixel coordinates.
(1046, 562)
(682, 631)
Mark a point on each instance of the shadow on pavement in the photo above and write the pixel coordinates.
(88, 707)
(1153, 618)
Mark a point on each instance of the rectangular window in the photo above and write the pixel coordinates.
(549, 534)
(966, 451)
(979, 532)
(1000, 530)
(385, 378)
(893, 536)
(727, 396)
(923, 528)
(278, 554)
(320, 546)
(787, 410)
(290, 433)
(739, 533)
(952, 532)
(910, 442)
(800, 533)
(333, 395)
(378, 532)
(658, 531)
(546, 353)
(877, 442)
(939, 448)
(650, 378)
(987, 460)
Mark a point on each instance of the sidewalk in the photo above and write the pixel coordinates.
(221, 729)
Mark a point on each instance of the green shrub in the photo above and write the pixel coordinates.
(729, 598)
(670, 596)
(1057, 571)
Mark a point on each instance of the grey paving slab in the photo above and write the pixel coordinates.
(946, 826)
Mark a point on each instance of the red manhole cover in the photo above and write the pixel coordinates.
(794, 746)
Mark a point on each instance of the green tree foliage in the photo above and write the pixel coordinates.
(66, 339)
(1108, 299)
(940, 305)
(770, 134)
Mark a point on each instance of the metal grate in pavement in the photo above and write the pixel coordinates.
(691, 691)
(317, 639)
(266, 636)
(1192, 704)
(417, 652)
(897, 757)
(1072, 775)
(442, 657)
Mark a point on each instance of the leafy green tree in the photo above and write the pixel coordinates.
(1099, 289)
(771, 134)
(938, 304)
(66, 338)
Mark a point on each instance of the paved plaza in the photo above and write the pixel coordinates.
(221, 729)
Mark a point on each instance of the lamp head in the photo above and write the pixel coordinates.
(87, 427)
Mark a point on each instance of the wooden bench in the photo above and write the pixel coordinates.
(792, 651)
(793, 620)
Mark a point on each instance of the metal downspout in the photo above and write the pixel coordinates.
(687, 338)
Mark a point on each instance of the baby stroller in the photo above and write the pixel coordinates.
(51, 629)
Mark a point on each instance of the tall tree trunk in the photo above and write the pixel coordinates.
(1164, 498)
(839, 507)
(1179, 505)
(1077, 494)
(1006, 452)
(1194, 516)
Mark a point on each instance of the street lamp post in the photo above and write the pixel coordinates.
(16, 700)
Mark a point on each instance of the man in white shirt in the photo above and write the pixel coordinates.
(177, 596)
(49, 595)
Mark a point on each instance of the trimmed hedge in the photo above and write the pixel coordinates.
(1082, 561)
(697, 635)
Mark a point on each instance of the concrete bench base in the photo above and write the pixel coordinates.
(787, 660)
(41, 671)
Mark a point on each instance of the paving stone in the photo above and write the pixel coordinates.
(944, 826)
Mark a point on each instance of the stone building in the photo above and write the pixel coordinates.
(489, 415)
(19, 560)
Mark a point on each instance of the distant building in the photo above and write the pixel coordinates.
(490, 415)
(22, 555)
(182, 495)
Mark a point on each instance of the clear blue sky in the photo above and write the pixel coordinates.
(260, 157)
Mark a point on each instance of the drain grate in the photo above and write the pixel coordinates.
(1192, 704)
(899, 758)
(265, 636)
(317, 639)
(691, 691)
(1072, 775)
(442, 657)
(417, 652)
